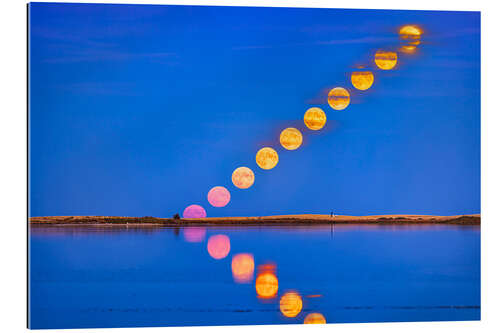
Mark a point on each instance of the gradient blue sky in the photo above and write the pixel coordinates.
(139, 110)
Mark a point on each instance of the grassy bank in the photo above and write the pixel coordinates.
(263, 220)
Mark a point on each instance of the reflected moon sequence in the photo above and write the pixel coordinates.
(242, 268)
(198, 275)
(243, 264)
(217, 286)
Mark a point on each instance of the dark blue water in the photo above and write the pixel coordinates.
(117, 276)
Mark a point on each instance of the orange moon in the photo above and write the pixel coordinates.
(291, 138)
(410, 32)
(266, 285)
(266, 158)
(410, 36)
(408, 48)
(218, 246)
(315, 118)
(362, 80)
(314, 318)
(290, 304)
(243, 177)
(386, 60)
(242, 267)
(338, 98)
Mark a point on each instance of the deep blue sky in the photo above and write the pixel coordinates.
(140, 110)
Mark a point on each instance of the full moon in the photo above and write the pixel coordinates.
(411, 33)
(410, 36)
(291, 304)
(386, 60)
(315, 119)
(194, 212)
(218, 246)
(243, 177)
(218, 196)
(338, 98)
(315, 318)
(291, 138)
(266, 158)
(362, 80)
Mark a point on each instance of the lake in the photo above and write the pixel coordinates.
(118, 276)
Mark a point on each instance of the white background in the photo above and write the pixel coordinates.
(13, 152)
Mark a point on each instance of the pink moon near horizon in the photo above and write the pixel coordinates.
(194, 212)
(218, 196)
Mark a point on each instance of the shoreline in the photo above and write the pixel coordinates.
(306, 219)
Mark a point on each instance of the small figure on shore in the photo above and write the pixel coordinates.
(176, 216)
(331, 214)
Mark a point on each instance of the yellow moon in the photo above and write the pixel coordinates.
(410, 35)
(266, 158)
(408, 48)
(315, 318)
(291, 138)
(315, 119)
(410, 32)
(243, 177)
(291, 304)
(386, 60)
(362, 80)
(338, 98)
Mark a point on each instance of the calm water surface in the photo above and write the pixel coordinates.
(117, 276)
